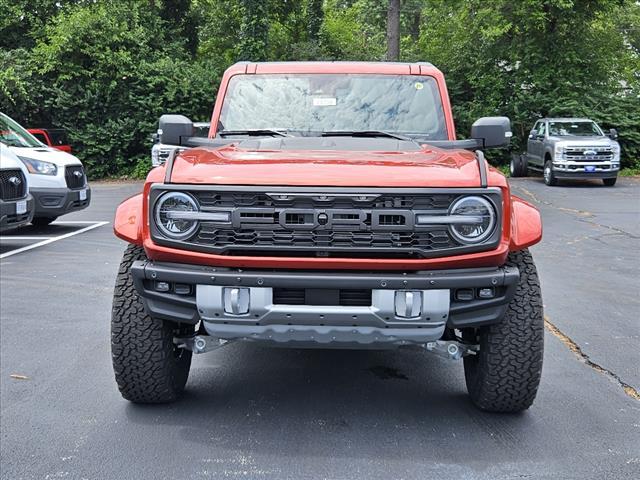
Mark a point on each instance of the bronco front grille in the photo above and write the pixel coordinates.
(326, 222)
(13, 184)
(75, 177)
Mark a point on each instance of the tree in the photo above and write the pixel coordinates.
(393, 31)
(109, 81)
(254, 31)
(105, 69)
(315, 16)
(524, 59)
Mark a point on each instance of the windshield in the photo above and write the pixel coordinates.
(58, 137)
(314, 103)
(579, 129)
(14, 135)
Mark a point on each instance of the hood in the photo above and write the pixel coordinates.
(253, 163)
(594, 140)
(47, 154)
(8, 160)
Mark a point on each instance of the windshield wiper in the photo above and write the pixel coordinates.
(366, 133)
(256, 132)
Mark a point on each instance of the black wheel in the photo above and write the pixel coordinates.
(518, 165)
(148, 367)
(609, 182)
(549, 177)
(42, 221)
(504, 375)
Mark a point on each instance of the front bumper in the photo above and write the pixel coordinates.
(10, 219)
(53, 202)
(575, 170)
(190, 293)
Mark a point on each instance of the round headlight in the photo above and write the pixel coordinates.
(477, 219)
(172, 215)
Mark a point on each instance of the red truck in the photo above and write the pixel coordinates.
(330, 206)
(53, 137)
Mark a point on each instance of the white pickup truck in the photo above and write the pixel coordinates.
(569, 148)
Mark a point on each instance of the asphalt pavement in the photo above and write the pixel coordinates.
(253, 412)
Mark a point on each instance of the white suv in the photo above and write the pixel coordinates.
(16, 205)
(57, 179)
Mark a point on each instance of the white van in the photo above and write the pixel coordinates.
(16, 204)
(57, 179)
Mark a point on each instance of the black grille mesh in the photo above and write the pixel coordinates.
(279, 237)
(344, 297)
(13, 184)
(75, 177)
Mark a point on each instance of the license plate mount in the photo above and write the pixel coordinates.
(21, 207)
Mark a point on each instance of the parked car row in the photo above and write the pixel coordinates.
(47, 181)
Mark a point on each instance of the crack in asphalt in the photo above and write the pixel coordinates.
(609, 227)
(584, 358)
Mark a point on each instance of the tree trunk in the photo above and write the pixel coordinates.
(393, 31)
(315, 15)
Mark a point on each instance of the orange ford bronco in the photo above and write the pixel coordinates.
(330, 206)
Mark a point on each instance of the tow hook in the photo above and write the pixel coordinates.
(200, 343)
(451, 349)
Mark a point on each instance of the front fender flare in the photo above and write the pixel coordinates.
(526, 224)
(129, 220)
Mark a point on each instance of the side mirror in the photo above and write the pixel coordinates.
(532, 133)
(494, 132)
(173, 128)
(613, 134)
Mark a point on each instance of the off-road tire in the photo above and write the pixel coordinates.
(518, 165)
(548, 175)
(148, 367)
(504, 375)
(42, 221)
(609, 182)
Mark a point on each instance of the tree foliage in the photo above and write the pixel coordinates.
(533, 58)
(106, 69)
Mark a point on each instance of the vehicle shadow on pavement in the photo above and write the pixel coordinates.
(587, 183)
(335, 403)
(47, 231)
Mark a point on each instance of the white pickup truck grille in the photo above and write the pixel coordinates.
(588, 153)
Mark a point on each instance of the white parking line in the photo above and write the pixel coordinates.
(54, 239)
(71, 222)
(24, 238)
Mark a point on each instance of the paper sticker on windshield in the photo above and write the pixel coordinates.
(324, 101)
(419, 86)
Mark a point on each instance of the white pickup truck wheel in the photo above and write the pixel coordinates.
(518, 165)
(549, 177)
